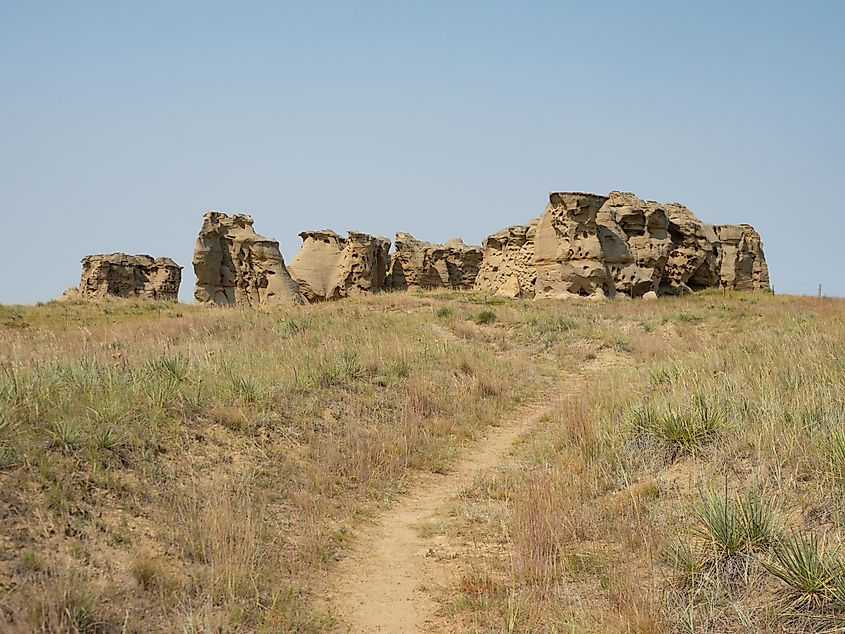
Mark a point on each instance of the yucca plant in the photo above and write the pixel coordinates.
(800, 562)
(720, 524)
(175, 368)
(758, 515)
(685, 430)
(247, 389)
(65, 435)
(486, 316)
(109, 438)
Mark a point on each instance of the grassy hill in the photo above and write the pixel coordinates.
(176, 468)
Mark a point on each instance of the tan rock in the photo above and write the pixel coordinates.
(692, 260)
(740, 261)
(644, 225)
(622, 245)
(569, 253)
(508, 262)
(510, 289)
(236, 266)
(122, 275)
(328, 266)
(650, 296)
(418, 264)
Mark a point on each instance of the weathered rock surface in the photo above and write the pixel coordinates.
(122, 275)
(569, 247)
(599, 246)
(507, 267)
(236, 266)
(645, 229)
(418, 264)
(329, 266)
(740, 260)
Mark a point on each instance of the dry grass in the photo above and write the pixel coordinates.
(171, 468)
(196, 470)
(696, 487)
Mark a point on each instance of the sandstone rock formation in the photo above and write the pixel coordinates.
(644, 226)
(418, 264)
(599, 246)
(122, 275)
(234, 265)
(740, 260)
(328, 266)
(507, 266)
(569, 247)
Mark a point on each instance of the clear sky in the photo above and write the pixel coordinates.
(122, 122)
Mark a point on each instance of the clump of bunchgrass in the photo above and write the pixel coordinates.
(65, 435)
(683, 430)
(247, 389)
(171, 367)
(833, 451)
(486, 316)
(291, 327)
(811, 571)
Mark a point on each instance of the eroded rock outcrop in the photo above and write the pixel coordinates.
(599, 246)
(569, 247)
(507, 267)
(418, 264)
(740, 261)
(122, 275)
(645, 228)
(236, 266)
(329, 266)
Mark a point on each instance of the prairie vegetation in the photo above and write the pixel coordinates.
(175, 468)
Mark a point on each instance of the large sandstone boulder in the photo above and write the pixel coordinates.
(329, 266)
(692, 260)
(740, 261)
(122, 275)
(507, 267)
(645, 227)
(600, 246)
(569, 253)
(418, 264)
(236, 266)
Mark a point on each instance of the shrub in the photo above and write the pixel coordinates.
(486, 316)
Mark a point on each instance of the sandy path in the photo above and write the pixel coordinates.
(386, 582)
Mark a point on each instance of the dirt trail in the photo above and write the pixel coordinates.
(386, 583)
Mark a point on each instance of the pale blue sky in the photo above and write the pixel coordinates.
(122, 122)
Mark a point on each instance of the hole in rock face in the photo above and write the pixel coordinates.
(675, 234)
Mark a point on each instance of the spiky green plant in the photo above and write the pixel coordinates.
(686, 429)
(172, 367)
(719, 524)
(109, 438)
(65, 435)
(833, 450)
(758, 516)
(800, 561)
(247, 389)
(486, 316)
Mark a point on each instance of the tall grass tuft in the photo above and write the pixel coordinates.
(685, 430)
(800, 561)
